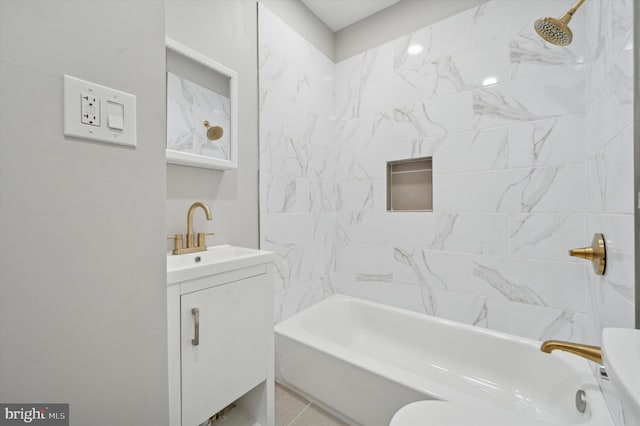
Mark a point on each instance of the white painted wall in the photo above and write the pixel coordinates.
(297, 15)
(82, 270)
(225, 31)
(395, 21)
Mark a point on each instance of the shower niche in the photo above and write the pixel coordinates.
(410, 185)
(202, 108)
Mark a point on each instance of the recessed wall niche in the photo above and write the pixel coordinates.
(201, 110)
(410, 185)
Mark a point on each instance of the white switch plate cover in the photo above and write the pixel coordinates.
(74, 88)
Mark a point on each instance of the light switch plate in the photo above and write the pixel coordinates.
(101, 129)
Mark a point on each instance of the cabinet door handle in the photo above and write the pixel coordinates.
(196, 316)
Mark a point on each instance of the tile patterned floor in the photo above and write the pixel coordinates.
(294, 410)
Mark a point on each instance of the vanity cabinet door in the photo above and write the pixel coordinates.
(230, 357)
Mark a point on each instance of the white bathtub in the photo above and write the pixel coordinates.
(364, 361)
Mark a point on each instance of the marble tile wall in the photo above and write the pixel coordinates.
(609, 148)
(531, 147)
(609, 151)
(503, 115)
(297, 162)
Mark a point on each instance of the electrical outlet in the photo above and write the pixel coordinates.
(98, 113)
(90, 109)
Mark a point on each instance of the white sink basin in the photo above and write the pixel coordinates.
(621, 356)
(214, 260)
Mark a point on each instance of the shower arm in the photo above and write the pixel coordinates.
(575, 7)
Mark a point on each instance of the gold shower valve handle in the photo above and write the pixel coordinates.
(597, 253)
(583, 253)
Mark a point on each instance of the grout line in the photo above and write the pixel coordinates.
(298, 415)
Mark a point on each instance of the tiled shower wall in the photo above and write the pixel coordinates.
(516, 129)
(502, 114)
(609, 141)
(297, 159)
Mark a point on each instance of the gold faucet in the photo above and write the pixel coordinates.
(592, 353)
(191, 248)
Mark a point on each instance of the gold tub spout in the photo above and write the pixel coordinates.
(592, 353)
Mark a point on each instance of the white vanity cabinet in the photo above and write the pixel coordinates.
(221, 344)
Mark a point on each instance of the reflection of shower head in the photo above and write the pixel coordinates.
(213, 132)
(556, 31)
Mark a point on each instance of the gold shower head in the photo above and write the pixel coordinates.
(213, 132)
(556, 31)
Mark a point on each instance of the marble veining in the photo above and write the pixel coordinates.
(385, 278)
(288, 259)
(542, 234)
(547, 142)
(564, 321)
(501, 158)
(281, 192)
(413, 121)
(416, 260)
(320, 196)
(620, 80)
(547, 236)
(556, 93)
(494, 104)
(482, 318)
(357, 79)
(429, 74)
(509, 289)
(539, 142)
(446, 225)
(531, 188)
(448, 72)
(530, 49)
(283, 77)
